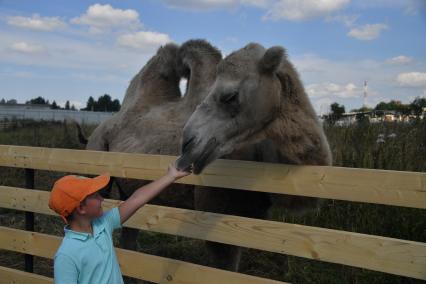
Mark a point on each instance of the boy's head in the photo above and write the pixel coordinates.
(78, 194)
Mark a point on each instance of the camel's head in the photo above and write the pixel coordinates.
(243, 100)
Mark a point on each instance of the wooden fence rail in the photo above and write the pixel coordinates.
(395, 256)
(363, 185)
(383, 254)
(134, 264)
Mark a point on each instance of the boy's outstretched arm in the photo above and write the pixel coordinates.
(145, 193)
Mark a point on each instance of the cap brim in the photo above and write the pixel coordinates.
(99, 182)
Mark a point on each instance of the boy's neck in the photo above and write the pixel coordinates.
(82, 225)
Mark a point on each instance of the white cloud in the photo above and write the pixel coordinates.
(201, 4)
(36, 22)
(412, 79)
(347, 20)
(98, 77)
(327, 89)
(399, 60)
(256, 3)
(27, 48)
(294, 10)
(146, 41)
(367, 32)
(101, 18)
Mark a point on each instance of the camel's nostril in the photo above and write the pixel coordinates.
(187, 144)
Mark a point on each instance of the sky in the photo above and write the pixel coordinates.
(70, 50)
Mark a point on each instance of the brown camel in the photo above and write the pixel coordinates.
(257, 99)
(257, 108)
(154, 112)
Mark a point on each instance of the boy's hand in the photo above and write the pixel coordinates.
(145, 193)
(175, 173)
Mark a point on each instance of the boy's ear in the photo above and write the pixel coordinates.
(80, 209)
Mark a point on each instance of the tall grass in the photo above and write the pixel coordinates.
(391, 146)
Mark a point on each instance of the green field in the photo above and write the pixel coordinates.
(391, 146)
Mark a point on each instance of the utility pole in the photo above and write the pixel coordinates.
(365, 95)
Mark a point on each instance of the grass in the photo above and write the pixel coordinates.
(389, 146)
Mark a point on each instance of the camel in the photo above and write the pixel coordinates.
(249, 106)
(257, 109)
(154, 112)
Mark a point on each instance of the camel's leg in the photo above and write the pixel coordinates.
(229, 201)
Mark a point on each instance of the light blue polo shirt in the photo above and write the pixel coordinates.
(86, 259)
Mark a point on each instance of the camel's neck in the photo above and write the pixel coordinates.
(296, 130)
(299, 140)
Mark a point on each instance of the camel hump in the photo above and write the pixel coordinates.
(197, 51)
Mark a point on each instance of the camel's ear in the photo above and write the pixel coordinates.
(271, 59)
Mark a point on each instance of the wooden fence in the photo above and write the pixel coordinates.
(390, 255)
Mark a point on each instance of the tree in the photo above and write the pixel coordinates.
(115, 106)
(67, 105)
(362, 109)
(54, 106)
(417, 105)
(12, 102)
(3, 101)
(336, 113)
(73, 107)
(37, 101)
(90, 105)
(104, 103)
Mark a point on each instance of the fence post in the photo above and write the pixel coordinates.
(29, 219)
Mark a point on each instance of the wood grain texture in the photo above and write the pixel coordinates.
(134, 264)
(362, 185)
(400, 257)
(10, 275)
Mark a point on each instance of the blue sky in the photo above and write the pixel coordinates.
(70, 50)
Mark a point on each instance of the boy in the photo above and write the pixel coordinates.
(87, 254)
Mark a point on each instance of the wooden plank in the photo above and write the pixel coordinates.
(10, 275)
(134, 264)
(383, 254)
(361, 185)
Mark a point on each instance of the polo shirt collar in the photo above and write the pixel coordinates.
(97, 227)
(75, 235)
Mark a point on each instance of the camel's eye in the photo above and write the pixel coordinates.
(230, 103)
(229, 98)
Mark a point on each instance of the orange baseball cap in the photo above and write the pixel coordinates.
(69, 191)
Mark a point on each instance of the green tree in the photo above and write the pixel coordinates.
(90, 105)
(67, 105)
(336, 113)
(417, 105)
(115, 106)
(104, 103)
(54, 105)
(37, 101)
(362, 109)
